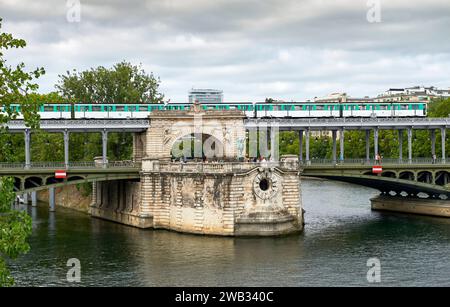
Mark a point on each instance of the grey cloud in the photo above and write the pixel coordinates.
(252, 49)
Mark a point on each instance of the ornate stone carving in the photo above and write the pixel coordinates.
(266, 185)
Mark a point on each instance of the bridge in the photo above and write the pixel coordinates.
(396, 177)
(400, 176)
(272, 125)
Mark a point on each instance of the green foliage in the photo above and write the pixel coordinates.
(15, 87)
(123, 83)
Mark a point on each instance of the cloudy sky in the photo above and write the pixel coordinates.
(252, 49)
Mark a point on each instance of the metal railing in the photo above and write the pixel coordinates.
(390, 161)
(71, 165)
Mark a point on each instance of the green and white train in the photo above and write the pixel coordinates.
(251, 109)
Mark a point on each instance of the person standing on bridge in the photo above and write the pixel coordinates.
(378, 159)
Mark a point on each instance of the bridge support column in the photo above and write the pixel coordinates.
(104, 147)
(341, 143)
(25, 198)
(443, 137)
(51, 199)
(307, 135)
(375, 141)
(400, 145)
(334, 133)
(433, 143)
(27, 148)
(409, 145)
(34, 199)
(300, 146)
(66, 149)
(368, 146)
(274, 148)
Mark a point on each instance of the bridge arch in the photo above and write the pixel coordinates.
(33, 181)
(425, 177)
(442, 178)
(407, 175)
(389, 174)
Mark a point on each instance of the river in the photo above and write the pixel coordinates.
(341, 234)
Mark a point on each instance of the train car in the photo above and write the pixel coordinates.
(251, 110)
(297, 110)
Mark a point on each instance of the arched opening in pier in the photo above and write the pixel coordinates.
(198, 147)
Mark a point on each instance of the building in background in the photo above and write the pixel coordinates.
(205, 96)
(413, 94)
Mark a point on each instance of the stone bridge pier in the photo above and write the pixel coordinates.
(213, 191)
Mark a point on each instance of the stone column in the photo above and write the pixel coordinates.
(341, 143)
(409, 145)
(443, 137)
(368, 145)
(27, 148)
(334, 133)
(400, 145)
(300, 146)
(66, 149)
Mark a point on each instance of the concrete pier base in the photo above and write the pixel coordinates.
(431, 207)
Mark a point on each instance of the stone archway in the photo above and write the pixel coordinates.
(197, 147)
(166, 127)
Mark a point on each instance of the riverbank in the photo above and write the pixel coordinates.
(69, 197)
(433, 207)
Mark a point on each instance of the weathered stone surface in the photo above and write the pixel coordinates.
(227, 199)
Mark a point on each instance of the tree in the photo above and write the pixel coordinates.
(123, 83)
(15, 86)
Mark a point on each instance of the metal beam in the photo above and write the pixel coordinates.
(300, 145)
(400, 145)
(27, 148)
(375, 141)
(66, 148)
(368, 145)
(104, 147)
(409, 145)
(307, 136)
(341, 142)
(84, 125)
(433, 142)
(443, 137)
(334, 133)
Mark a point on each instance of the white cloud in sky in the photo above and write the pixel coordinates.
(253, 49)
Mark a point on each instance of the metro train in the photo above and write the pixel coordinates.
(251, 110)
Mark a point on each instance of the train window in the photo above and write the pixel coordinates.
(383, 107)
(320, 108)
(48, 108)
(96, 108)
(404, 107)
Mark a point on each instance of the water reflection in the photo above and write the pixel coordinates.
(341, 234)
